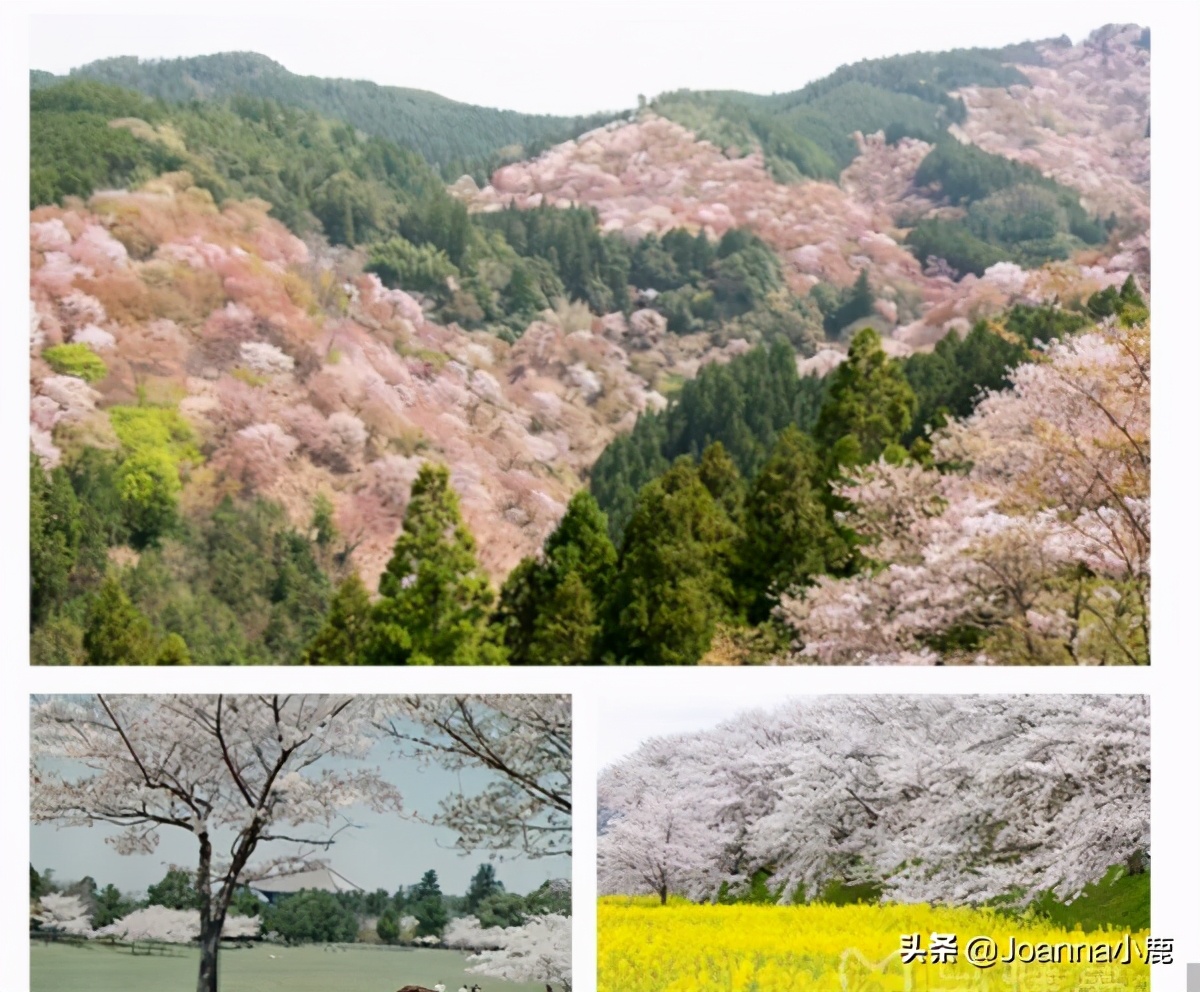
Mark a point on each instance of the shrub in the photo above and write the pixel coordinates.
(76, 359)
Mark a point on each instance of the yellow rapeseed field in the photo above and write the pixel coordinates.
(683, 947)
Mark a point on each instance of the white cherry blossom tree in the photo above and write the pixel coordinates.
(537, 951)
(174, 926)
(235, 772)
(931, 798)
(64, 913)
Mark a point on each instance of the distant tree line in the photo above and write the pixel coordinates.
(318, 916)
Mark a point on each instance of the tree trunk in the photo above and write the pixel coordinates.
(662, 894)
(210, 942)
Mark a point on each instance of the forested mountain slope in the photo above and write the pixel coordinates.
(278, 368)
(447, 133)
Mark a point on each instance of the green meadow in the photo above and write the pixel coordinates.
(258, 968)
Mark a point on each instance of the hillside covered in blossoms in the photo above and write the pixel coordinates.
(856, 374)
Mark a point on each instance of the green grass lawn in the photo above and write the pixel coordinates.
(252, 969)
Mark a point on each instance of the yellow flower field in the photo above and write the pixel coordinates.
(683, 947)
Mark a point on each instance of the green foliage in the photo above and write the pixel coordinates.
(949, 380)
(591, 267)
(156, 440)
(427, 904)
(175, 890)
(502, 909)
(73, 150)
(55, 534)
(966, 173)
(673, 584)
(401, 264)
(245, 903)
(238, 587)
(434, 597)
(117, 632)
(173, 651)
(744, 404)
(310, 916)
(952, 241)
(343, 635)
(1121, 899)
(549, 898)
(149, 487)
(1126, 303)
(549, 610)
(442, 131)
(842, 308)
(808, 132)
(1014, 212)
(322, 527)
(317, 174)
(387, 928)
(790, 536)
(700, 286)
(483, 884)
(76, 359)
(869, 406)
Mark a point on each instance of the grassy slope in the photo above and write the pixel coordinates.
(294, 969)
(1117, 900)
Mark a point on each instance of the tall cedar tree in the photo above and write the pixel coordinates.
(344, 634)
(789, 534)
(435, 599)
(550, 606)
(869, 406)
(483, 884)
(54, 538)
(428, 906)
(117, 632)
(721, 478)
(673, 584)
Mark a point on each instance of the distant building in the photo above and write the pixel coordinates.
(323, 879)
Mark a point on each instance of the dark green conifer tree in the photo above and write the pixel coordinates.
(869, 406)
(435, 598)
(789, 534)
(673, 583)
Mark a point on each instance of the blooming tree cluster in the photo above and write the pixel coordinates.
(235, 772)
(932, 798)
(525, 741)
(466, 933)
(174, 926)
(1032, 542)
(64, 913)
(537, 951)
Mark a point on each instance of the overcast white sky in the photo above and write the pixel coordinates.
(557, 56)
(628, 719)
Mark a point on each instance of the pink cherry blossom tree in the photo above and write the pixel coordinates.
(1034, 535)
(235, 772)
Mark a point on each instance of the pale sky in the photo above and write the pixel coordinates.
(559, 57)
(383, 851)
(627, 720)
